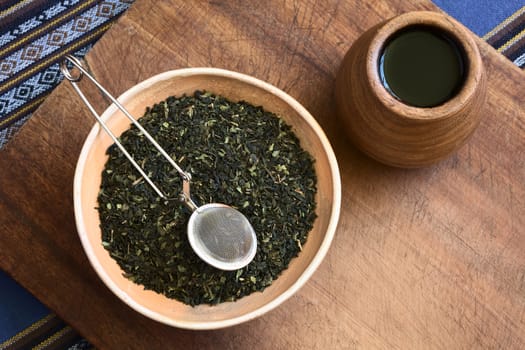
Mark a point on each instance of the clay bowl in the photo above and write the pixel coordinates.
(391, 131)
(235, 87)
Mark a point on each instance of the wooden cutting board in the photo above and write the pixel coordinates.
(422, 259)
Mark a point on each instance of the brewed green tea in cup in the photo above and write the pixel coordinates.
(422, 66)
(410, 90)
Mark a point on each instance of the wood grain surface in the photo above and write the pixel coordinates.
(422, 259)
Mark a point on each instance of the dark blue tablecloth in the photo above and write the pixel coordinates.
(35, 34)
(501, 23)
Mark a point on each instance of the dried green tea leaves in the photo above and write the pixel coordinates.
(237, 154)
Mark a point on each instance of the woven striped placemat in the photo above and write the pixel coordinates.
(34, 36)
(27, 324)
(508, 37)
(47, 333)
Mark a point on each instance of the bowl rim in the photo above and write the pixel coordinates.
(303, 277)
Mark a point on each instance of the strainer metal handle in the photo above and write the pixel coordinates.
(74, 79)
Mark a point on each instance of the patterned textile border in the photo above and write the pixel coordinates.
(34, 36)
(509, 38)
(47, 333)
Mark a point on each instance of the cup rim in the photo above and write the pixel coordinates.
(461, 36)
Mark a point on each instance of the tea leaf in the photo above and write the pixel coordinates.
(238, 154)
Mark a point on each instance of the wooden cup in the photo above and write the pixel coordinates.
(391, 131)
